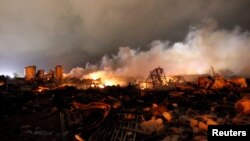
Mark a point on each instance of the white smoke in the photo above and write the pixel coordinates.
(69, 32)
(203, 47)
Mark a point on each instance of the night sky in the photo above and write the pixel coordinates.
(74, 32)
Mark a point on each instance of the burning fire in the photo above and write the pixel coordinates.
(101, 86)
(41, 89)
(95, 75)
(109, 83)
(143, 85)
(96, 79)
(105, 80)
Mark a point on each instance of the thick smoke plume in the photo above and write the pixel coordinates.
(203, 47)
(46, 33)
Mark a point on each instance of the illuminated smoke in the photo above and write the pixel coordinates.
(71, 32)
(203, 47)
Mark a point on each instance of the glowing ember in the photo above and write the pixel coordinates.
(41, 89)
(169, 79)
(1, 83)
(101, 86)
(143, 85)
(109, 83)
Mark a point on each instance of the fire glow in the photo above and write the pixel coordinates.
(191, 56)
(1, 83)
(42, 88)
(105, 81)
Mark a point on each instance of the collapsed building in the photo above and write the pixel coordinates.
(50, 75)
(32, 75)
(83, 83)
(156, 78)
(40, 74)
(217, 81)
(125, 113)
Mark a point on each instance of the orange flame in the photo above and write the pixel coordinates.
(107, 80)
(41, 89)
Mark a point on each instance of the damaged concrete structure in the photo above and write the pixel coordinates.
(124, 113)
(59, 73)
(30, 73)
(52, 75)
(40, 74)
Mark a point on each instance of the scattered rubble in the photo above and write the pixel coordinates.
(152, 126)
(178, 111)
(243, 106)
(240, 82)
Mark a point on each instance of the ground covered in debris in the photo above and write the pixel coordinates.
(182, 112)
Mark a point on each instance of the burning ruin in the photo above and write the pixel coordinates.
(32, 75)
(144, 69)
(126, 98)
(40, 74)
(160, 107)
(156, 78)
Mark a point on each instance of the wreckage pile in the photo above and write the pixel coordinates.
(176, 112)
(181, 113)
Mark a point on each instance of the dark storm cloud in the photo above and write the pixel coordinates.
(71, 33)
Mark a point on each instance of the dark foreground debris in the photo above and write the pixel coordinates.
(182, 112)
